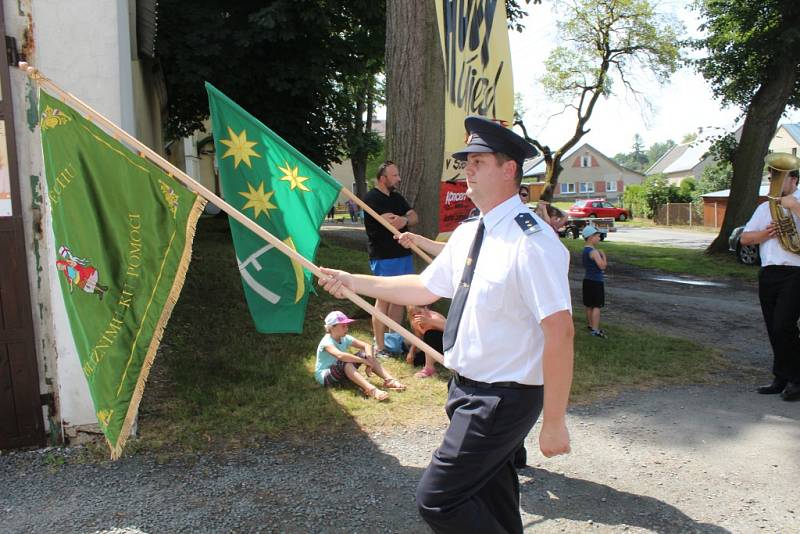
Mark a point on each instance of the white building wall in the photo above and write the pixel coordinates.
(80, 45)
(343, 173)
(784, 142)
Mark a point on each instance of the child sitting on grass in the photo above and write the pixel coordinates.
(336, 365)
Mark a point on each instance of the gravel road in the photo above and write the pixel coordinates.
(680, 459)
(673, 237)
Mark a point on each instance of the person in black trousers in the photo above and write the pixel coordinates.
(507, 340)
(779, 291)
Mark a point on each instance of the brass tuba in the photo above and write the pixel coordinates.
(779, 164)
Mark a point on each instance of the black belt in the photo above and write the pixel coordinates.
(463, 381)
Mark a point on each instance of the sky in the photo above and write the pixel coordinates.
(680, 107)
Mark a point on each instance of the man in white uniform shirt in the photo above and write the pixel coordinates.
(779, 292)
(508, 339)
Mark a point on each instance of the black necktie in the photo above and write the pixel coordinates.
(460, 298)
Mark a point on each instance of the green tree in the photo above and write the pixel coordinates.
(715, 178)
(645, 199)
(643, 160)
(634, 199)
(753, 63)
(685, 192)
(288, 63)
(360, 87)
(639, 157)
(657, 150)
(602, 43)
(620, 157)
(657, 192)
(515, 13)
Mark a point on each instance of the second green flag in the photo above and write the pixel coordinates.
(286, 194)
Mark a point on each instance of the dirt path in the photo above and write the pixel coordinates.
(722, 313)
(681, 459)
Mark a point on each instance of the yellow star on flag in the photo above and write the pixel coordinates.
(258, 200)
(292, 176)
(239, 147)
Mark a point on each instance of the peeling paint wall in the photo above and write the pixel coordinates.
(31, 193)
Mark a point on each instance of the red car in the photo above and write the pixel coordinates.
(597, 207)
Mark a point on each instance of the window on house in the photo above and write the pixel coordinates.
(611, 187)
(586, 160)
(567, 189)
(587, 187)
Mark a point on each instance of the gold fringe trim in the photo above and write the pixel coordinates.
(172, 299)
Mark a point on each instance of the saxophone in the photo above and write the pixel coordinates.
(779, 164)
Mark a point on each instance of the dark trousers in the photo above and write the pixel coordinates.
(471, 484)
(779, 293)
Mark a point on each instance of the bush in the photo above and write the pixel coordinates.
(633, 198)
(657, 192)
(715, 178)
(686, 191)
(644, 200)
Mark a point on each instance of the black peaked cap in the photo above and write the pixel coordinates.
(489, 136)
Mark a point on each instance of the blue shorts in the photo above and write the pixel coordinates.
(392, 266)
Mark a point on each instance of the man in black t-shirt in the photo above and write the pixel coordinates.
(386, 256)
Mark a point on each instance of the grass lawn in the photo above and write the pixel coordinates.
(218, 383)
(677, 260)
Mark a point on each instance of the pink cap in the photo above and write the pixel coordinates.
(337, 317)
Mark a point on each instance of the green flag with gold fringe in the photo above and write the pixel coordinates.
(286, 194)
(123, 231)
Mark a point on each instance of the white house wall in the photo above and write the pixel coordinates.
(600, 170)
(784, 142)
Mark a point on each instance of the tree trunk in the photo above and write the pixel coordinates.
(553, 160)
(759, 127)
(359, 156)
(553, 166)
(551, 174)
(415, 105)
(359, 164)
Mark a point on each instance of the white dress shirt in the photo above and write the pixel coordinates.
(520, 278)
(771, 251)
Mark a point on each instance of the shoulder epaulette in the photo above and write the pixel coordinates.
(528, 223)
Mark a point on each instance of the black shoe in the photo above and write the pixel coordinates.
(791, 392)
(777, 386)
(521, 458)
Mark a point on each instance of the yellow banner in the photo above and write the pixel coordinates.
(477, 62)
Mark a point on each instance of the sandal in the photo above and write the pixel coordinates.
(426, 372)
(393, 385)
(377, 394)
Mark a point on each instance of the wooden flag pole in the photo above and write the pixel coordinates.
(349, 194)
(146, 152)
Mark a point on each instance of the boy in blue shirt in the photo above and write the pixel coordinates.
(594, 295)
(336, 365)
